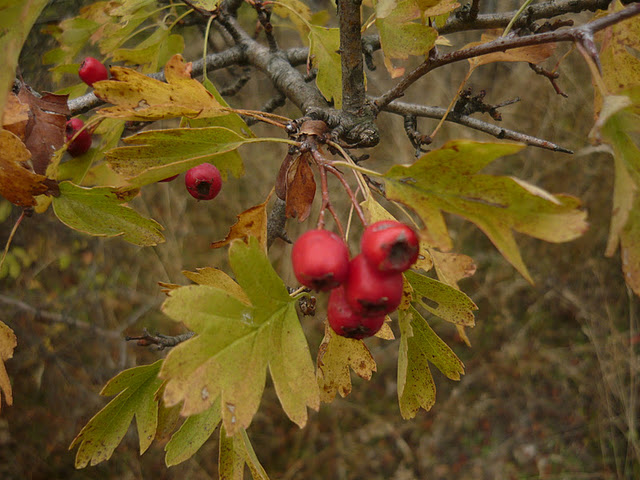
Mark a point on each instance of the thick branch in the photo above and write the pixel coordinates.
(402, 108)
(353, 93)
(581, 34)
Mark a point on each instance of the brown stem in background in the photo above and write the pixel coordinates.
(353, 93)
(162, 341)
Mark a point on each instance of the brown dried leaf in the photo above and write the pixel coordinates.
(251, 223)
(281, 180)
(45, 131)
(18, 184)
(7, 344)
(534, 54)
(16, 116)
(301, 190)
(452, 267)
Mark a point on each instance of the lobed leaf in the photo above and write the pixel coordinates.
(141, 98)
(324, 45)
(236, 451)
(236, 343)
(335, 356)
(251, 223)
(98, 211)
(447, 180)
(420, 345)
(136, 389)
(8, 343)
(442, 300)
(18, 184)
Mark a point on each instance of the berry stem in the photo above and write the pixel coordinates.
(326, 202)
(347, 188)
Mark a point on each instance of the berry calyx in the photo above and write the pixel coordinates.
(345, 322)
(203, 182)
(82, 142)
(371, 292)
(169, 179)
(92, 70)
(390, 246)
(320, 260)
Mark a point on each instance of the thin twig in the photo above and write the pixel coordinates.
(53, 317)
(402, 108)
(162, 341)
(338, 174)
(581, 35)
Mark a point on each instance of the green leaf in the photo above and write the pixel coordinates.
(442, 300)
(136, 389)
(324, 45)
(420, 345)
(232, 121)
(16, 20)
(236, 343)
(235, 452)
(447, 180)
(157, 154)
(97, 211)
(192, 434)
(400, 36)
(153, 51)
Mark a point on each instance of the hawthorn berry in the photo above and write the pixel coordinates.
(320, 260)
(371, 292)
(390, 246)
(92, 70)
(82, 142)
(345, 322)
(203, 182)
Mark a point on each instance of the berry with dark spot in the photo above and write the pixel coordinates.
(345, 322)
(371, 292)
(320, 260)
(203, 182)
(390, 246)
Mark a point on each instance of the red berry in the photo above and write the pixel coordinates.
(320, 260)
(390, 246)
(92, 70)
(82, 142)
(345, 322)
(169, 179)
(203, 182)
(371, 292)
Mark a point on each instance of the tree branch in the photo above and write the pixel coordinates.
(582, 35)
(353, 93)
(402, 108)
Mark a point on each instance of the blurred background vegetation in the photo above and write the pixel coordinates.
(551, 384)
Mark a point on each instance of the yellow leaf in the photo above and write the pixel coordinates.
(18, 184)
(335, 355)
(7, 344)
(251, 223)
(141, 98)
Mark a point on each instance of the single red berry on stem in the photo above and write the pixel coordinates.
(345, 322)
(92, 70)
(82, 142)
(390, 246)
(320, 260)
(371, 292)
(203, 182)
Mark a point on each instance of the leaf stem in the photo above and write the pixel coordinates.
(11, 235)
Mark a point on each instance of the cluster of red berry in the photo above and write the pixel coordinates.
(203, 182)
(364, 289)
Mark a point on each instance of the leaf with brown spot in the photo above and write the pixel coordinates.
(385, 332)
(250, 223)
(16, 116)
(18, 184)
(301, 189)
(335, 355)
(45, 131)
(141, 98)
(8, 343)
